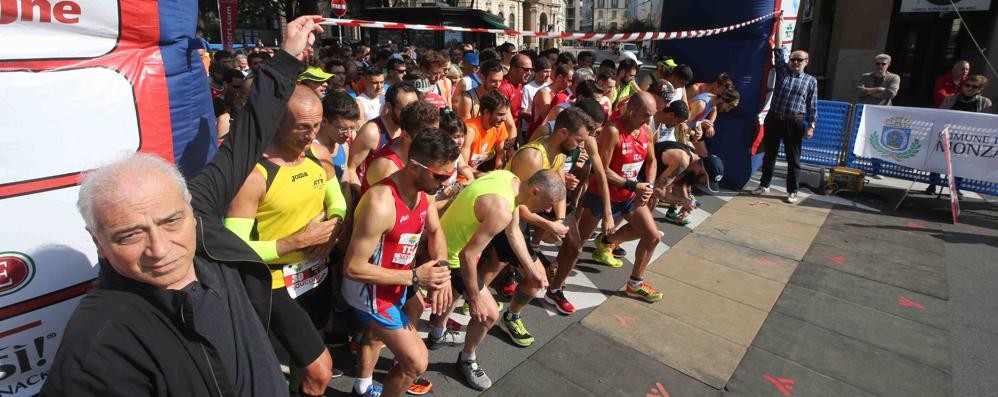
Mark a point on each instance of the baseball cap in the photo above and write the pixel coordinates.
(315, 73)
(422, 84)
(471, 58)
(715, 172)
(662, 88)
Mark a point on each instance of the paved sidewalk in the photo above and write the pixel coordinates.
(832, 296)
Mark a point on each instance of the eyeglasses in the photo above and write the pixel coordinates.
(346, 130)
(798, 59)
(437, 175)
(972, 86)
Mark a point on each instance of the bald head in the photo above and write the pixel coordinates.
(301, 121)
(640, 108)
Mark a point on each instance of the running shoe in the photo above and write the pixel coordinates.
(760, 190)
(696, 203)
(619, 251)
(449, 338)
(516, 330)
(474, 374)
(420, 386)
(559, 301)
(372, 391)
(604, 253)
(672, 215)
(644, 291)
(509, 288)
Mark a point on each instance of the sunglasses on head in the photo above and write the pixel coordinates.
(437, 175)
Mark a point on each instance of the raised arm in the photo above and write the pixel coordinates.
(256, 125)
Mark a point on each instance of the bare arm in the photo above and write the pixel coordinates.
(607, 142)
(363, 144)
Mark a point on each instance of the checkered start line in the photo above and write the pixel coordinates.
(619, 37)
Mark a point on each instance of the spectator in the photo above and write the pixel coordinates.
(969, 99)
(792, 115)
(949, 84)
(879, 86)
(242, 64)
(133, 329)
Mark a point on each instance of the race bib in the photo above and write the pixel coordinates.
(478, 159)
(406, 251)
(301, 277)
(630, 171)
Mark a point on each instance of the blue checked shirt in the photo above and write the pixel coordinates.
(793, 94)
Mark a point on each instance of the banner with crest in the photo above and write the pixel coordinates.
(911, 137)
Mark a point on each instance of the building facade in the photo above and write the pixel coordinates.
(609, 15)
(843, 36)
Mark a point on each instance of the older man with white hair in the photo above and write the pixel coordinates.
(181, 306)
(879, 86)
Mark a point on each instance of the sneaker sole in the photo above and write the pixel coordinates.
(515, 341)
(556, 306)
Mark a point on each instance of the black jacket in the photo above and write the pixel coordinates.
(131, 339)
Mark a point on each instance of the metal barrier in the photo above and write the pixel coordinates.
(832, 145)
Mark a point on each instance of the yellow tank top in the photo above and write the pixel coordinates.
(459, 223)
(294, 196)
(558, 162)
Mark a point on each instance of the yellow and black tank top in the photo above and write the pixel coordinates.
(558, 162)
(294, 196)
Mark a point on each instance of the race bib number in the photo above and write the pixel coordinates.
(478, 159)
(406, 252)
(630, 171)
(301, 277)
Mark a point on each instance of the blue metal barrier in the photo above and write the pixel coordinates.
(830, 133)
(878, 167)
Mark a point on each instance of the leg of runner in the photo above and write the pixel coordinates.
(410, 355)
(640, 225)
(565, 262)
(367, 358)
(467, 361)
(512, 323)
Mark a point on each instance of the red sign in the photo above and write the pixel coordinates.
(339, 8)
(16, 271)
(227, 11)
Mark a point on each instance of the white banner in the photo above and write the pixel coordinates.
(944, 5)
(911, 137)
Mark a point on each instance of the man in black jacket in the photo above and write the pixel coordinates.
(182, 305)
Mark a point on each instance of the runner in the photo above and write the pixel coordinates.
(376, 133)
(372, 99)
(481, 212)
(340, 119)
(625, 148)
(379, 261)
(487, 134)
(415, 118)
(679, 169)
(292, 206)
(467, 103)
(571, 129)
(434, 66)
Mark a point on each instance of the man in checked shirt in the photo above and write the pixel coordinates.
(792, 115)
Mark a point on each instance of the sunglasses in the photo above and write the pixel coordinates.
(881, 63)
(400, 71)
(798, 59)
(525, 69)
(437, 175)
(972, 86)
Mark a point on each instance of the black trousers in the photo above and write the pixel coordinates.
(791, 133)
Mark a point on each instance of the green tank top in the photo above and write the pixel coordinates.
(459, 223)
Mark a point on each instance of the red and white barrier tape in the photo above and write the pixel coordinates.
(642, 36)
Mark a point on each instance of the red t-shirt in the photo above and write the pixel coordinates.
(627, 161)
(943, 88)
(515, 95)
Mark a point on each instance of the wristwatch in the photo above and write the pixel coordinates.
(415, 278)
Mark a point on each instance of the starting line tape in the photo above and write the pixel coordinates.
(620, 37)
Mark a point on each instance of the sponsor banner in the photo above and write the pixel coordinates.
(944, 5)
(227, 12)
(912, 137)
(40, 29)
(27, 346)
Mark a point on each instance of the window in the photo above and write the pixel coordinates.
(512, 21)
(613, 14)
(613, 26)
(614, 3)
(599, 14)
(600, 3)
